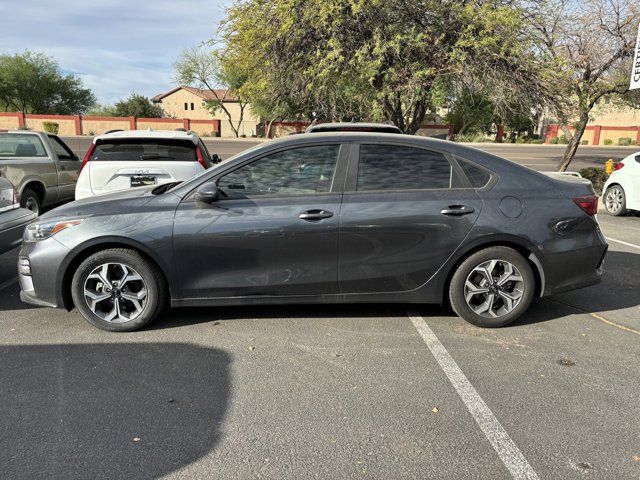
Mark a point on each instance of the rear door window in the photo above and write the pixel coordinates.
(156, 150)
(17, 145)
(394, 167)
(61, 149)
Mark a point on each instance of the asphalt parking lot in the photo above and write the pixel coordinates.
(378, 391)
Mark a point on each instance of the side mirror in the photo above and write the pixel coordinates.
(76, 158)
(215, 158)
(207, 192)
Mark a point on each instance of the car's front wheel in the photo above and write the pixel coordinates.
(615, 200)
(118, 290)
(492, 287)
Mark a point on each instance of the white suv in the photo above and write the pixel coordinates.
(622, 189)
(124, 159)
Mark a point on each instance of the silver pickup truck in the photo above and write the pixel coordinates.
(42, 168)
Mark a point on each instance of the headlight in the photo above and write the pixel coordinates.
(40, 231)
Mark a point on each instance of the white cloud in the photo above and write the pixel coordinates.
(115, 46)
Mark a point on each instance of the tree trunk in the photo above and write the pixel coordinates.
(574, 143)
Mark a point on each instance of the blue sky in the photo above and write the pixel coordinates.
(115, 46)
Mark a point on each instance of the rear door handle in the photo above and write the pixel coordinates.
(315, 215)
(457, 210)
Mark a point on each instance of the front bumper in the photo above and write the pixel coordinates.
(43, 286)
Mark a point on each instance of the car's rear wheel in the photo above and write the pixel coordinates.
(118, 290)
(492, 287)
(615, 200)
(30, 200)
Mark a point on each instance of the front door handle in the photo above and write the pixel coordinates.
(457, 210)
(315, 215)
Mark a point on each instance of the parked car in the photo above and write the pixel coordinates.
(42, 168)
(622, 188)
(123, 159)
(13, 219)
(352, 127)
(322, 218)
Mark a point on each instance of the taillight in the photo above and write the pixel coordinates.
(588, 203)
(87, 156)
(200, 158)
(618, 166)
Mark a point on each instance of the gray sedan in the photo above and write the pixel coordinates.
(322, 218)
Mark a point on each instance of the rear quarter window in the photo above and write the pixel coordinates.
(478, 177)
(17, 145)
(155, 150)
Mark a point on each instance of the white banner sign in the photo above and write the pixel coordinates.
(635, 69)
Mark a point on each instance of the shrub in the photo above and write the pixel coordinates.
(91, 133)
(537, 142)
(584, 142)
(597, 176)
(553, 141)
(243, 136)
(625, 141)
(51, 127)
(562, 139)
(215, 134)
(520, 140)
(608, 141)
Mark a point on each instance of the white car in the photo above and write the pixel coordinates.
(622, 189)
(124, 159)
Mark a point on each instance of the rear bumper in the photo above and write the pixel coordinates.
(575, 262)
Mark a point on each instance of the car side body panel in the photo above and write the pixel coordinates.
(518, 207)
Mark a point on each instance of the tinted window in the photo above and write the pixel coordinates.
(17, 145)
(61, 149)
(299, 171)
(392, 167)
(122, 150)
(477, 177)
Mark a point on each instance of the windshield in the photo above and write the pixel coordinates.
(151, 149)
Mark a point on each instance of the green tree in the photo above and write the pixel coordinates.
(136, 106)
(208, 69)
(590, 46)
(32, 82)
(373, 59)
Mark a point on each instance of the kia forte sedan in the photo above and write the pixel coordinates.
(322, 218)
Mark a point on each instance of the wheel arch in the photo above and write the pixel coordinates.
(38, 187)
(515, 243)
(83, 251)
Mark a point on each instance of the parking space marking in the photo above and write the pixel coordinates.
(594, 315)
(500, 440)
(8, 283)
(632, 245)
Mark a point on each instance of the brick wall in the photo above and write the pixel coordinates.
(90, 125)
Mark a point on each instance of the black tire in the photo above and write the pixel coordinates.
(619, 206)
(457, 286)
(152, 277)
(30, 200)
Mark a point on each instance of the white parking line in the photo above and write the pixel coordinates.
(506, 449)
(632, 245)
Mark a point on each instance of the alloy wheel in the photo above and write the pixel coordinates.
(115, 292)
(614, 199)
(494, 288)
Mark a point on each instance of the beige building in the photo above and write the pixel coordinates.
(189, 102)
